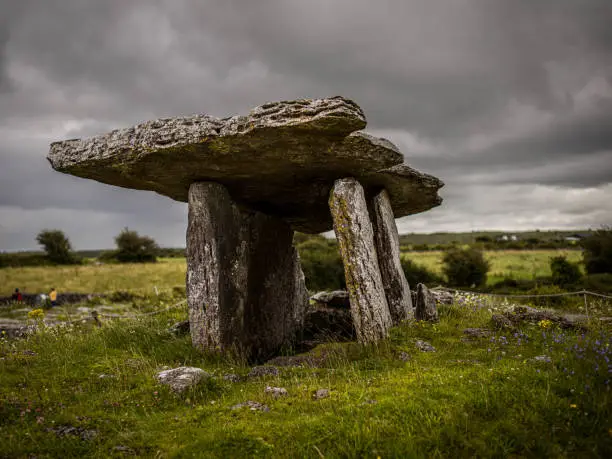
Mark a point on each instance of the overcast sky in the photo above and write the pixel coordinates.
(509, 102)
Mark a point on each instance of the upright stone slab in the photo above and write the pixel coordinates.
(386, 239)
(425, 305)
(353, 229)
(245, 286)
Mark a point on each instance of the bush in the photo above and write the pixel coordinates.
(19, 260)
(132, 248)
(56, 246)
(564, 273)
(321, 263)
(597, 253)
(416, 274)
(465, 267)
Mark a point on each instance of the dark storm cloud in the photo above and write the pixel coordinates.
(508, 101)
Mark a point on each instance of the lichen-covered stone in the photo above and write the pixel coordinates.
(425, 305)
(386, 239)
(245, 286)
(281, 159)
(356, 240)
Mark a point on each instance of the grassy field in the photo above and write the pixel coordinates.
(484, 398)
(166, 273)
(516, 264)
(170, 272)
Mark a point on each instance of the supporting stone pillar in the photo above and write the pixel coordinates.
(353, 229)
(386, 239)
(245, 286)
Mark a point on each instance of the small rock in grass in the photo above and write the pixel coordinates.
(67, 430)
(259, 371)
(251, 405)
(424, 346)
(404, 356)
(477, 332)
(124, 449)
(105, 376)
(232, 378)
(182, 378)
(276, 391)
(542, 358)
(180, 328)
(321, 393)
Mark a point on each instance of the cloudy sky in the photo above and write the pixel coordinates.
(509, 102)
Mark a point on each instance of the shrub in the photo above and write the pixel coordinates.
(57, 247)
(133, 248)
(597, 253)
(465, 267)
(321, 263)
(564, 273)
(416, 274)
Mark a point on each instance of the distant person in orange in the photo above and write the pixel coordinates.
(53, 297)
(17, 296)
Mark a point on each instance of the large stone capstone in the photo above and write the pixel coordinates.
(281, 159)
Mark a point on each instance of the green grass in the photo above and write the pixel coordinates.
(170, 272)
(469, 399)
(167, 273)
(516, 264)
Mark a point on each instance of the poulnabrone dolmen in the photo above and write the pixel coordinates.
(250, 182)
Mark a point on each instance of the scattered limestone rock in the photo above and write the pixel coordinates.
(263, 370)
(425, 305)
(180, 328)
(106, 376)
(334, 299)
(182, 378)
(321, 393)
(68, 430)
(251, 405)
(520, 314)
(276, 391)
(477, 332)
(232, 378)
(424, 346)
(404, 356)
(541, 359)
(328, 323)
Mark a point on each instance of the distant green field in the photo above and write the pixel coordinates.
(517, 264)
(468, 238)
(167, 273)
(170, 272)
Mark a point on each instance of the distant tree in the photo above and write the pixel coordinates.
(564, 273)
(419, 274)
(597, 253)
(465, 267)
(57, 246)
(133, 248)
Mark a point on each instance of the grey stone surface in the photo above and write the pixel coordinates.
(252, 405)
(245, 286)
(323, 324)
(386, 239)
(425, 305)
(276, 391)
(424, 346)
(321, 393)
(282, 159)
(181, 378)
(363, 280)
(335, 299)
(263, 370)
